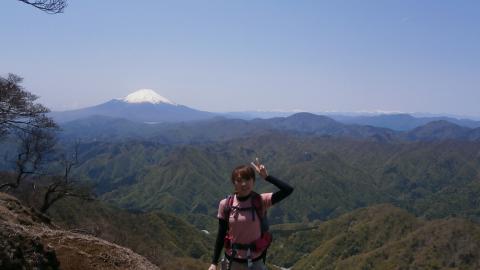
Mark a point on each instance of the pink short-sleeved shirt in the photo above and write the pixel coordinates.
(242, 228)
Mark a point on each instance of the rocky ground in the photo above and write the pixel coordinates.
(28, 240)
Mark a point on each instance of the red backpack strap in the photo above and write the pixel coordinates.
(257, 202)
(228, 207)
(226, 213)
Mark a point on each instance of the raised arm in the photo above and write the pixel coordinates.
(285, 189)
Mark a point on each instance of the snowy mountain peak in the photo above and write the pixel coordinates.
(146, 96)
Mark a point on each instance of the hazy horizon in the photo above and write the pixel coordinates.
(280, 112)
(223, 56)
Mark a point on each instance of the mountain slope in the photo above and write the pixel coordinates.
(312, 124)
(439, 130)
(164, 239)
(381, 237)
(219, 129)
(331, 176)
(223, 129)
(39, 244)
(401, 122)
(138, 112)
(144, 105)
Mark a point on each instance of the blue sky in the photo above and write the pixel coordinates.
(407, 56)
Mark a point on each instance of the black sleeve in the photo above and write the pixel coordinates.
(222, 231)
(285, 189)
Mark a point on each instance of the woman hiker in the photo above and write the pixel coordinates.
(242, 222)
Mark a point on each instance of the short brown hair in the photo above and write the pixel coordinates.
(244, 172)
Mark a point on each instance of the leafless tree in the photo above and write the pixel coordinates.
(48, 6)
(29, 126)
(33, 146)
(63, 186)
(26, 123)
(18, 110)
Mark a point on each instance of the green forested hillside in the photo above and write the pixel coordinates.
(379, 237)
(436, 179)
(331, 176)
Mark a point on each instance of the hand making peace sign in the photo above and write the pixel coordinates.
(259, 168)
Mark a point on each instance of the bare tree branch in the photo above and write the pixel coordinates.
(35, 134)
(48, 6)
(33, 146)
(32, 128)
(18, 110)
(63, 186)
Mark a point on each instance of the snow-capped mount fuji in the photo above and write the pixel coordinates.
(146, 96)
(144, 105)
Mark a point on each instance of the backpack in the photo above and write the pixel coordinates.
(257, 207)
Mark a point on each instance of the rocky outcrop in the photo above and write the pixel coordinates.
(29, 241)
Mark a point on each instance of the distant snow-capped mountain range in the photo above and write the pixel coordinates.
(147, 106)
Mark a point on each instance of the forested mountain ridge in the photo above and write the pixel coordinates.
(331, 176)
(402, 121)
(184, 169)
(223, 129)
(380, 237)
